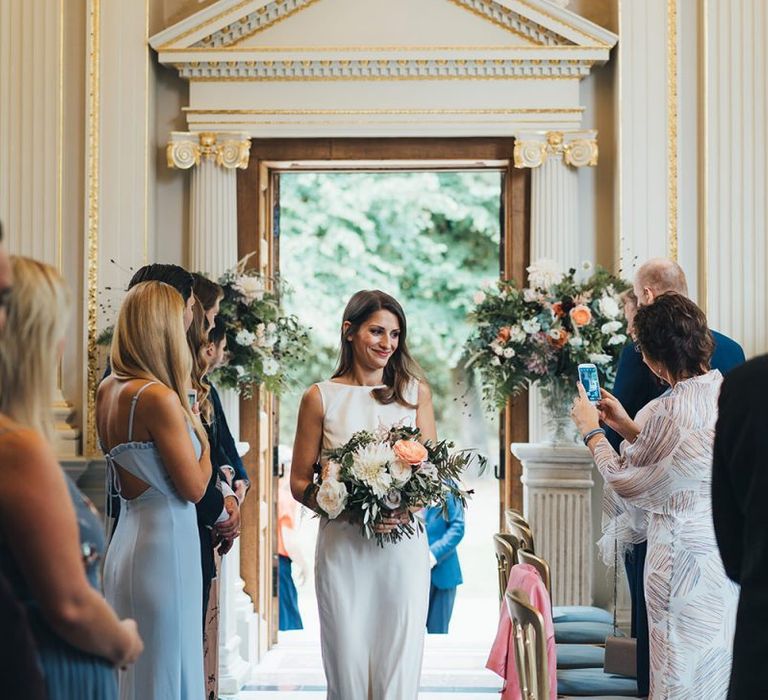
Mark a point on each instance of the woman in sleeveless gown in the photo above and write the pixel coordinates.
(157, 461)
(51, 538)
(372, 600)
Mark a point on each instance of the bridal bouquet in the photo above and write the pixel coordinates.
(387, 470)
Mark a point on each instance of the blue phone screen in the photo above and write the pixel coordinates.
(591, 382)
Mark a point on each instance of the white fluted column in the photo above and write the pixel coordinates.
(557, 501)
(213, 159)
(554, 157)
(557, 479)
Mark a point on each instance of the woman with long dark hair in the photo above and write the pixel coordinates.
(372, 599)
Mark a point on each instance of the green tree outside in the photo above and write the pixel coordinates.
(430, 239)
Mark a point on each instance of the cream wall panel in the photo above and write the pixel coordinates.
(30, 127)
(643, 164)
(41, 150)
(118, 166)
(737, 161)
(690, 134)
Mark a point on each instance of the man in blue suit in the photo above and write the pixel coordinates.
(444, 532)
(636, 386)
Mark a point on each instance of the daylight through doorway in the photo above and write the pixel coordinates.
(431, 239)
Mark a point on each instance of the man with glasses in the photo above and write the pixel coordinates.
(635, 387)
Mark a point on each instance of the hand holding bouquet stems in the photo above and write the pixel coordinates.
(378, 479)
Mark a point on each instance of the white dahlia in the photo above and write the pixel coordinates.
(370, 467)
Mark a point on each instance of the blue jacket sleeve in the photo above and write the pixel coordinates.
(635, 386)
(728, 353)
(225, 441)
(444, 546)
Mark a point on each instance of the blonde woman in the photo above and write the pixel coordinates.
(158, 462)
(51, 540)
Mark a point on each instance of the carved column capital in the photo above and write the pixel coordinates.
(228, 149)
(576, 148)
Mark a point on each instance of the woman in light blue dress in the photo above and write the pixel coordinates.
(158, 462)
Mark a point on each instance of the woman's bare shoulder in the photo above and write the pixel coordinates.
(23, 447)
(312, 399)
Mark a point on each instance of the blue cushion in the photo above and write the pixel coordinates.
(594, 681)
(580, 613)
(582, 632)
(580, 656)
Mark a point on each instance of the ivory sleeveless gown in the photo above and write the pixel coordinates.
(372, 600)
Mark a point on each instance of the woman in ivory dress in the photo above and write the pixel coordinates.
(665, 471)
(372, 600)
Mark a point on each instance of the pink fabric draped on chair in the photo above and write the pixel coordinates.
(501, 660)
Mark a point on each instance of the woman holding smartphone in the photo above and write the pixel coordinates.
(664, 471)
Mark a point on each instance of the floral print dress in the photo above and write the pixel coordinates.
(666, 475)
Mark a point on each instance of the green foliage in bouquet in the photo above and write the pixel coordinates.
(543, 332)
(265, 347)
(377, 473)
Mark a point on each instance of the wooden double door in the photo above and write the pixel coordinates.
(258, 202)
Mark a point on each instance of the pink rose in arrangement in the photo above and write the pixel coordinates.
(410, 451)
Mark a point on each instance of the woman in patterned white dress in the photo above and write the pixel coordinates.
(372, 600)
(665, 471)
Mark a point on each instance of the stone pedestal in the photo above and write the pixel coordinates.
(557, 485)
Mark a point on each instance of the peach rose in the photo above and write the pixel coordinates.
(581, 315)
(504, 334)
(410, 451)
(558, 337)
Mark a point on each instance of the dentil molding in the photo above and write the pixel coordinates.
(229, 149)
(577, 148)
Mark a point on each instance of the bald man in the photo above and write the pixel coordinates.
(636, 386)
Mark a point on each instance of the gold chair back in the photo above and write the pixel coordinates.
(523, 533)
(515, 516)
(541, 565)
(506, 547)
(530, 646)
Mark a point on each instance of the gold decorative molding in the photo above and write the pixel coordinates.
(265, 17)
(226, 149)
(373, 112)
(92, 209)
(378, 48)
(576, 148)
(386, 69)
(672, 172)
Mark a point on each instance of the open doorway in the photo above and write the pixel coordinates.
(264, 224)
(432, 240)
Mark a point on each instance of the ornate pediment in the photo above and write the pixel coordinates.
(383, 67)
(370, 39)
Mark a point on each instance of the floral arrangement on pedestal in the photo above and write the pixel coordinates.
(541, 333)
(264, 346)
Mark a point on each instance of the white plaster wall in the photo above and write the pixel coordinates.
(736, 205)
(170, 201)
(42, 63)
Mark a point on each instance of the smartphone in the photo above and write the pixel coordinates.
(590, 381)
(192, 397)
